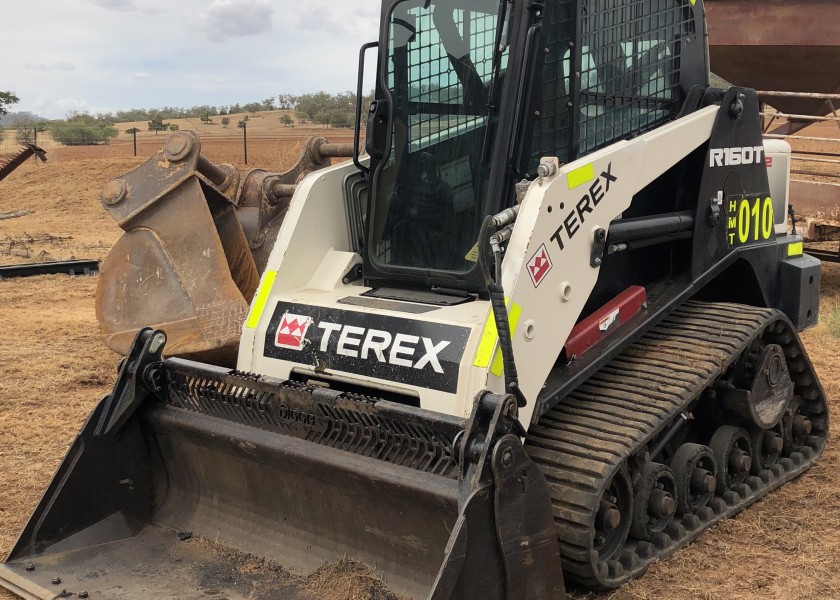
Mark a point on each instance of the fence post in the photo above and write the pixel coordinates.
(134, 135)
(245, 140)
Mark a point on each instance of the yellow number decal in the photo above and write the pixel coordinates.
(744, 222)
(767, 218)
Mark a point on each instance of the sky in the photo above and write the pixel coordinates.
(94, 56)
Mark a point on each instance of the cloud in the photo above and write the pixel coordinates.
(235, 18)
(354, 21)
(120, 5)
(54, 108)
(140, 75)
(56, 66)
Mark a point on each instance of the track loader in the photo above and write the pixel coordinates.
(545, 330)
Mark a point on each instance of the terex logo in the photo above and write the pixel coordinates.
(732, 157)
(291, 332)
(410, 351)
(576, 216)
(401, 349)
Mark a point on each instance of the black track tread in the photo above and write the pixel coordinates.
(586, 438)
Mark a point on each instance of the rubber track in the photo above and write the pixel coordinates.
(588, 436)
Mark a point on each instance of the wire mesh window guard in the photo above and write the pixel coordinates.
(629, 67)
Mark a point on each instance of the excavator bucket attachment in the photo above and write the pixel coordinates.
(197, 235)
(185, 465)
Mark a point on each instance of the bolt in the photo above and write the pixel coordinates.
(661, 503)
(569, 104)
(739, 461)
(56, 580)
(536, 113)
(178, 147)
(114, 192)
(83, 594)
(30, 567)
(507, 457)
(703, 481)
(609, 517)
(598, 261)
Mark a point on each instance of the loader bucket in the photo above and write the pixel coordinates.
(186, 472)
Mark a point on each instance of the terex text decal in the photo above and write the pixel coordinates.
(407, 351)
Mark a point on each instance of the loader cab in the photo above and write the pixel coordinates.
(470, 94)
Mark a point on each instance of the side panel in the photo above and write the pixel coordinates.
(314, 224)
(548, 270)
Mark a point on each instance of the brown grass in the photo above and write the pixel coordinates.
(55, 369)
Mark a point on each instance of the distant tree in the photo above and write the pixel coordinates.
(2, 133)
(287, 101)
(132, 131)
(253, 108)
(26, 131)
(157, 124)
(173, 127)
(7, 99)
(287, 121)
(234, 109)
(340, 118)
(243, 122)
(225, 122)
(268, 103)
(205, 118)
(223, 110)
(83, 129)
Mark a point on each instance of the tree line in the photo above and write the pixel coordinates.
(335, 110)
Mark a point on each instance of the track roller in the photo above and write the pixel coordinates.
(655, 502)
(612, 522)
(767, 445)
(695, 472)
(733, 454)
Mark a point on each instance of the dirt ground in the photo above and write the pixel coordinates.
(55, 369)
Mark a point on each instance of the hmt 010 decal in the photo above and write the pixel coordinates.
(417, 353)
(749, 220)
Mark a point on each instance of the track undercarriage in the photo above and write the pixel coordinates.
(710, 411)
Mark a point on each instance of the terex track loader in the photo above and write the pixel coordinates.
(547, 326)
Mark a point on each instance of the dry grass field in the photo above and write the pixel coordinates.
(55, 369)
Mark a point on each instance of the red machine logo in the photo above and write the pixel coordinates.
(539, 266)
(292, 331)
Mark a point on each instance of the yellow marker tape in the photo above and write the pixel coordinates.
(580, 176)
(795, 249)
(514, 313)
(490, 337)
(262, 297)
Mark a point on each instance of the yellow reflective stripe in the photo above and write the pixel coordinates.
(486, 344)
(262, 297)
(795, 249)
(489, 337)
(580, 176)
(693, 2)
(514, 312)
